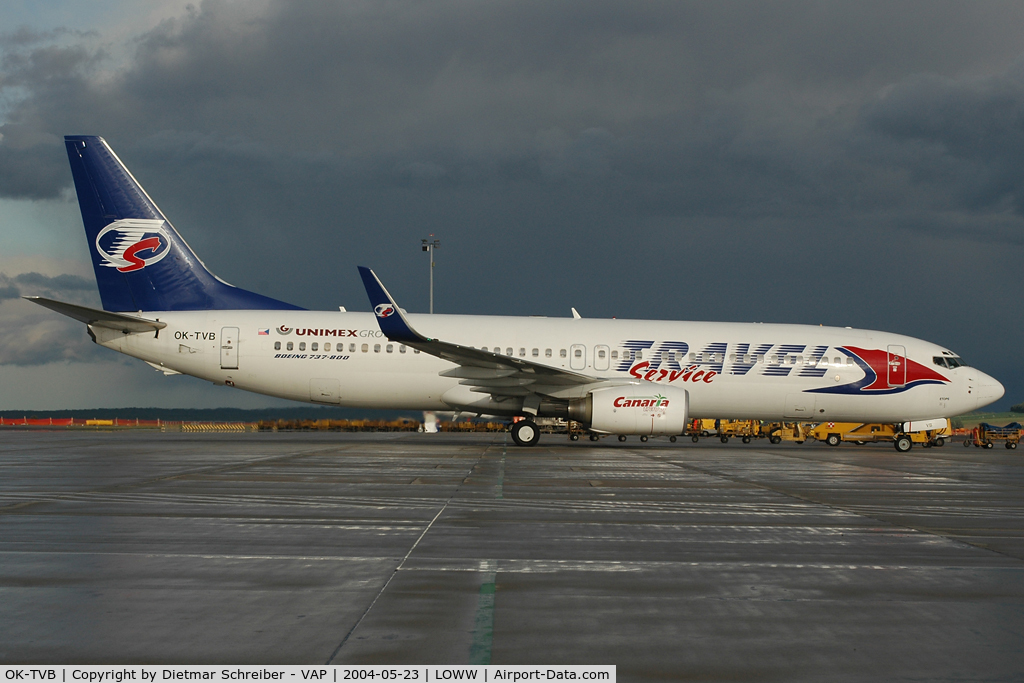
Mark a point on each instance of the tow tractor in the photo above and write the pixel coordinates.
(777, 432)
(934, 433)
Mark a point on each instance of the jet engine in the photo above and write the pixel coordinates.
(647, 408)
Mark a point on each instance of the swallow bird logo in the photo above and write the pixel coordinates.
(384, 310)
(132, 244)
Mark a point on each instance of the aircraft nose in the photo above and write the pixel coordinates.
(988, 389)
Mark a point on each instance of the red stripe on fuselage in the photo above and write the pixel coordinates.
(878, 360)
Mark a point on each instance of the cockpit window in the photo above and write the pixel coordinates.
(950, 362)
(940, 361)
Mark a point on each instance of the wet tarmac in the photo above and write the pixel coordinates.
(672, 561)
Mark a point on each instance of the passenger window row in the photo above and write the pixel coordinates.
(676, 356)
(340, 348)
(509, 351)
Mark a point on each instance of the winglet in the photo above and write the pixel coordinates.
(390, 318)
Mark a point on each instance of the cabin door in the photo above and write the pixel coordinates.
(229, 348)
(896, 365)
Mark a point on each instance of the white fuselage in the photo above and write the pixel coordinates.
(731, 370)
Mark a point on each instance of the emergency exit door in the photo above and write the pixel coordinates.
(578, 357)
(229, 348)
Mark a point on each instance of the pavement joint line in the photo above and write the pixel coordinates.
(145, 482)
(398, 568)
(833, 506)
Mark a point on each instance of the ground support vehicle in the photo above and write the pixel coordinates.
(986, 435)
(575, 431)
(777, 432)
(834, 433)
(697, 428)
(743, 429)
(766, 430)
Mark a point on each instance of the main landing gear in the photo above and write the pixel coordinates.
(525, 433)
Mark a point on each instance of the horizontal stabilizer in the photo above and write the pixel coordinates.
(128, 324)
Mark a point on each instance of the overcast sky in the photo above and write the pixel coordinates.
(855, 164)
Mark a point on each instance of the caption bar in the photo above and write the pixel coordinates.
(314, 674)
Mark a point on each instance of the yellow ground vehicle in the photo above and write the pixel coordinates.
(698, 427)
(834, 433)
(744, 429)
(777, 432)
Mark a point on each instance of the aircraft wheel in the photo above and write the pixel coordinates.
(939, 442)
(724, 439)
(695, 438)
(903, 443)
(574, 437)
(746, 439)
(622, 437)
(643, 438)
(525, 433)
(594, 437)
(672, 439)
(833, 440)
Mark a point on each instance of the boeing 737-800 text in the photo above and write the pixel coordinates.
(646, 377)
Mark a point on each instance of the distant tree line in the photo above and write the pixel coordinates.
(1019, 408)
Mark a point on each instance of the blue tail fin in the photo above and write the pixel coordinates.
(141, 262)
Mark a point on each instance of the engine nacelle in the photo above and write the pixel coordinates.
(634, 409)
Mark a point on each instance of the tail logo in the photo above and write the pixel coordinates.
(132, 244)
(384, 310)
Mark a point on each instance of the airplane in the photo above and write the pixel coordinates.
(617, 377)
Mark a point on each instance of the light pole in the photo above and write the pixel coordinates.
(429, 246)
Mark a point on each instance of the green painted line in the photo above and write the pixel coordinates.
(483, 625)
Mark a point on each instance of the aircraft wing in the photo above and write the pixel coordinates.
(484, 371)
(129, 324)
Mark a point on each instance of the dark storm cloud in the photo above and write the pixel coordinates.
(23, 36)
(37, 284)
(30, 335)
(702, 106)
(60, 283)
(962, 136)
